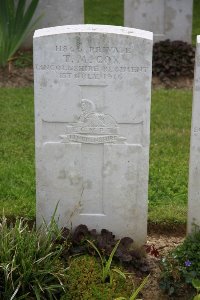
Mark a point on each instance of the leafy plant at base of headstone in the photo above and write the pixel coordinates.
(130, 257)
(107, 271)
(181, 266)
(196, 285)
(15, 24)
(30, 264)
(137, 291)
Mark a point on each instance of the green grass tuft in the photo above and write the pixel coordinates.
(30, 263)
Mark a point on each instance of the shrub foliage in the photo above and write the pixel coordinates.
(181, 266)
(172, 59)
(15, 24)
(30, 264)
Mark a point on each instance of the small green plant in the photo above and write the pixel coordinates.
(136, 292)
(107, 272)
(30, 264)
(196, 285)
(15, 24)
(182, 266)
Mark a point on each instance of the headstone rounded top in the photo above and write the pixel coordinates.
(94, 28)
(198, 39)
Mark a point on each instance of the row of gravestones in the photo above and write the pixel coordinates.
(92, 109)
(167, 19)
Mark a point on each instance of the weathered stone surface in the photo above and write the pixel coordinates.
(92, 111)
(57, 13)
(194, 168)
(168, 19)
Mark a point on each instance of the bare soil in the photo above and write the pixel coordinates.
(17, 77)
(175, 83)
(163, 243)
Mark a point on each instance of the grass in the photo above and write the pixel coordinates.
(169, 155)
(170, 132)
(85, 281)
(196, 21)
(31, 266)
(104, 12)
(17, 176)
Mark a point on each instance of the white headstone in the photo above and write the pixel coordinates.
(92, 116)
(56, 13)
(167, 19)
(194, 167)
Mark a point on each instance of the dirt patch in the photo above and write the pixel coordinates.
(176, 83)
(166, 229)
(17, 77)
(164, 244)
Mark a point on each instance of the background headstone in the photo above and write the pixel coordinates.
(92, 116)
(167, 19)
(56, 13)
(194, 168)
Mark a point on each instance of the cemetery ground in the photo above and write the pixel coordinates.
(168, 176)
(168, 179)
(169, 154)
